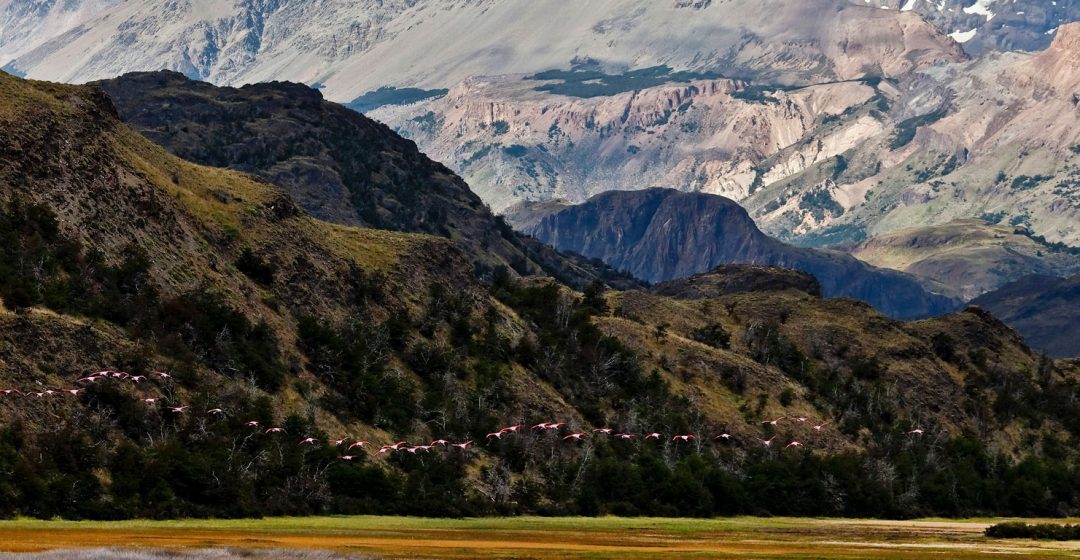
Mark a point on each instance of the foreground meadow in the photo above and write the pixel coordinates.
(524, 537)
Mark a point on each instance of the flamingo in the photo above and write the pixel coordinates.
(386, 449)
(541, 426)
(818, 427)
(439, 442)
(575, 436)
(724, 436)
(274, 430)
(340, 442)
(88, 379)
(917, 431)
(511, 429)
(49, 392)
(496, 435)
(685, 438)
(793, 444)
(180, 409)
(215, 411)
(347, 457)
(774, 422)
(554, 425)
(654, 435)
(801, 419)
(602, 430)
(9, 392)
(137, 378)
(397, 446)
(463, 445)
(308, 441)
(38, 395)
(120, 375)
(162, 375)
(252, 424)
(74, 391)
(359, 444)
(149, 400)
(767, 442)
(624, 436)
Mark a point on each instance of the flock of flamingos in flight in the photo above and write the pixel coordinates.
(348, 444)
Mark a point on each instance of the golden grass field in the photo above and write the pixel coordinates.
(530, 537)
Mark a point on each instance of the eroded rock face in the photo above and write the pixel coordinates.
(515, 143)
(355, 46)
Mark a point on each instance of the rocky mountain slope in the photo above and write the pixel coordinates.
(337, 164)
(663, 234)
(968, 258)
(26, 24)
(985, 25)
(822, 164)
(359, 46)
(832, 121)
(1045, 309)
(118, 255)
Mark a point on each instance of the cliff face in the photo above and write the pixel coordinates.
(662, 234)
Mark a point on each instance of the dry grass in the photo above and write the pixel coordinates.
(474, 539)
(173, 554)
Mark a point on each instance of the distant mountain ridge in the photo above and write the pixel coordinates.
(1045, 309)
(967, 258)
(663, 234)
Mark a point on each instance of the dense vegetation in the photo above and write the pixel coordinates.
(1042, 531)
(580, 82)
(170, 465)
(388, 95)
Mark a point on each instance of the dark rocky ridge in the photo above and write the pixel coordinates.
(337, 164)
(663, 234)
(1045, 309)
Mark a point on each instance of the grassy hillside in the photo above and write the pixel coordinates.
(338, 165)
(117, 255)
(967, 257)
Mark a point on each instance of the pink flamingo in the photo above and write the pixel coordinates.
(793, 444)
(818, 427)
(774, 422)
(359, 444)
(767, 442)
(685, 437)
(575, 436)
(654, 435)
(463, 445)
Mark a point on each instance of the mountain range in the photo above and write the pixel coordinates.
(832, 121)
(119, 255)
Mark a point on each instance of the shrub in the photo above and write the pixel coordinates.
(1041, 531)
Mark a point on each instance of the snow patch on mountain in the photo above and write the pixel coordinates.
(982, 8)
(963, 36)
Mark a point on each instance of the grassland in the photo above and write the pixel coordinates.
(608, 537)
